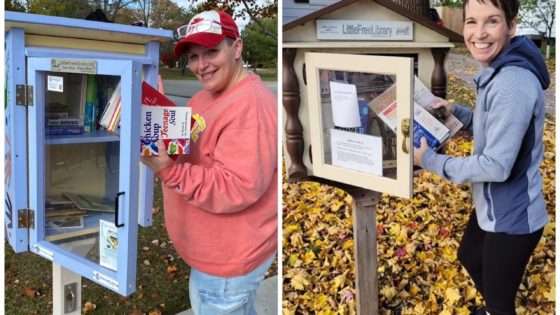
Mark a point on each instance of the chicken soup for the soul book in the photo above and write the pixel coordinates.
(161, 119)
(172, 124)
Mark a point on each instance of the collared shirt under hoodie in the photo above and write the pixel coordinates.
(507, 124)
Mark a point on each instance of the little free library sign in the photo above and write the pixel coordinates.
(364, 30)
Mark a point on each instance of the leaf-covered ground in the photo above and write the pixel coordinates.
(418, 270)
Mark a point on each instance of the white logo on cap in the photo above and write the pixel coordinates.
(207, 22)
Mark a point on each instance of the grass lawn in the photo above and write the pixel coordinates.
(161, 278)
(175, 74)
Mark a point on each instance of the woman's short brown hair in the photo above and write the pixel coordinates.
(510, 8)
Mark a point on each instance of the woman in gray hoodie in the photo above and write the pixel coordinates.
(507, 125)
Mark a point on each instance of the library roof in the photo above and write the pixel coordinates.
(83, 29)
(453, 36)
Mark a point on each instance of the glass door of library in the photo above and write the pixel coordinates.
(360, 109)
(84, 178)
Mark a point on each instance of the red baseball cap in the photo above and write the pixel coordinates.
(208, 29)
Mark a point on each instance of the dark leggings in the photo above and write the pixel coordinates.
(496, 262)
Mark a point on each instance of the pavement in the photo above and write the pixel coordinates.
(180, 91)
(465, 68)
(267, 298)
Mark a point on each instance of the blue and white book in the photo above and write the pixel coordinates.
(64, 130)
(427, 126)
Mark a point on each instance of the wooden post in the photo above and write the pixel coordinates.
(439, 77)
(365, 250)
(294, 129)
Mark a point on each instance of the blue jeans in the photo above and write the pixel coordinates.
(212, 295)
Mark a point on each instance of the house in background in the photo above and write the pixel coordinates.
(294, 9)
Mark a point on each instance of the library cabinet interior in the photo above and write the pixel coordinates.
(372, 51)
(76, 192)
(353, 142)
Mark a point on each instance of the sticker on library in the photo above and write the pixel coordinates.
(74, 66)
(55, 84)
(108, 244)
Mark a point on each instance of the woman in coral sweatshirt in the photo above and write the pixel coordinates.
(220, 202)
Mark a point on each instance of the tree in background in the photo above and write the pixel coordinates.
(260, 49)
(259, 36)
(166, 14)
(74, 9)
(13, 5)
(447, 3)
(255, 10)
(111, 8)
(126, 16)
(70, 8)
(159, 13)
(144, 11)
(540, 15)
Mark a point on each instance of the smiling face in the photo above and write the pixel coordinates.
(216, 68)
(486, 30)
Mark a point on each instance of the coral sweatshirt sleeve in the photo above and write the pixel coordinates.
(240, 146)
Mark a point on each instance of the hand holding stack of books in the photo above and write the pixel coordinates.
(433, 124)
(160, 119)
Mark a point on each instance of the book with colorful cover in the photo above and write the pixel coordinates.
(427, 123)
(171, 124)
(161, 119)
(424, 97)
(427, 126)
(385, 107)
(111, 114)
(153, 97)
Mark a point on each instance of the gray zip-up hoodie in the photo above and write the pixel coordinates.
(507, 125)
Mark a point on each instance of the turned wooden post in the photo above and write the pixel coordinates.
(293, 127)
(439, 76)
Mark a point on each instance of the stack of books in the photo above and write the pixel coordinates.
(428, 123)
(60, 124)
(66, 215)
(62, 214)
(110, 119)
(161, 119)
(65, 114)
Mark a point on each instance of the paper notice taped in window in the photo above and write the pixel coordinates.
(358, 152)
(344, 103)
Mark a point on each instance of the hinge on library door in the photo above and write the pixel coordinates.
(26, 218)
(24, 95)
